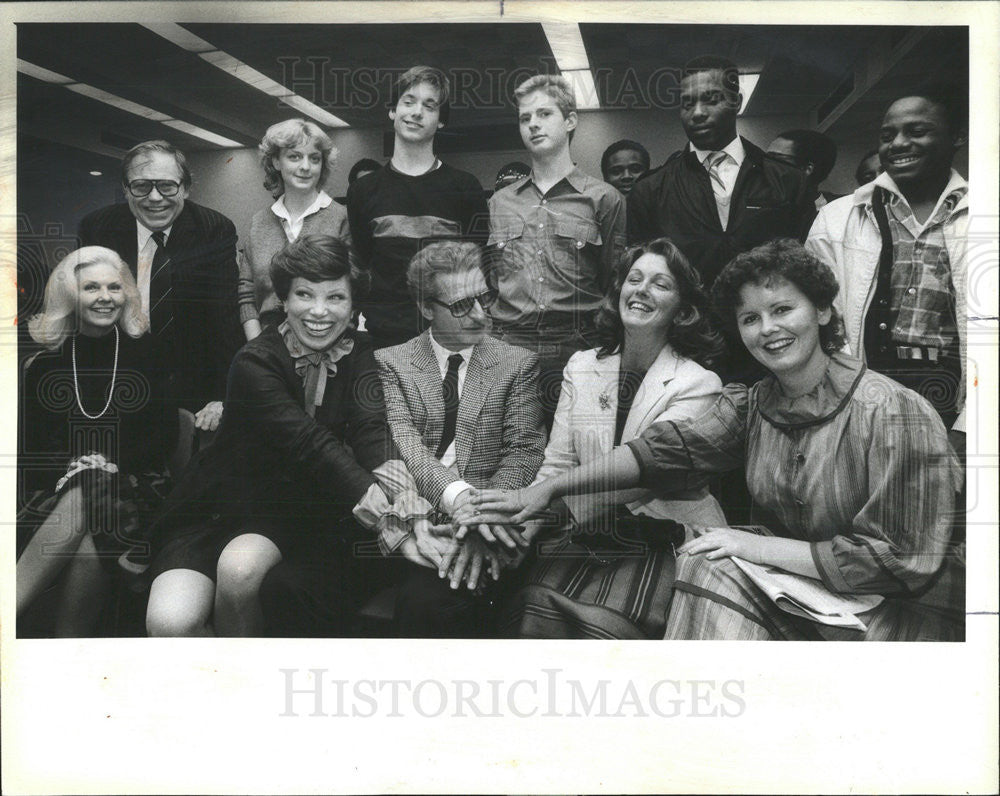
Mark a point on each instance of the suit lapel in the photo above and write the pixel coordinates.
(649, 401)
(699, 191)
(125, 233)
(478, 380)
(601, 397)
(427, 378)
(751, 161)
(182, 237)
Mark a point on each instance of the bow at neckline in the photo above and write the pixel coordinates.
(314, 367)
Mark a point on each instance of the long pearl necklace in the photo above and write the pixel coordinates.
(111, 391)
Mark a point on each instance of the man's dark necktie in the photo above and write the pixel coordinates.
(450, 390)
(160, 304)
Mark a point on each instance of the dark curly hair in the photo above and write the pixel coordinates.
(690, 334)
(316, 258)
(951, 96)
(786, 259)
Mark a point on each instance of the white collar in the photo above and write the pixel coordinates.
(734, 149)
(957, 184)
(441, 353)
(322, 200)
(145, 233)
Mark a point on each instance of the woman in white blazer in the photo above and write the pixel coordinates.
(605, 563)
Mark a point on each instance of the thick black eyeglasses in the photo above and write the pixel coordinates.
(144, 187)
(464, 306)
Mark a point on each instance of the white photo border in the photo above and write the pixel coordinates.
(205, 716)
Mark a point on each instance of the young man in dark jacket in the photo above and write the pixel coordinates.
(719, 196)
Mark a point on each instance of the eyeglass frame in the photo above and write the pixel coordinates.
(491, 295)
(154, 184)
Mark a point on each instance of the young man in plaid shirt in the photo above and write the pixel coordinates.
(898, 248)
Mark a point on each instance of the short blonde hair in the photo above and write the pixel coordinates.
(58, 318)
(290, 133)
(556, 86)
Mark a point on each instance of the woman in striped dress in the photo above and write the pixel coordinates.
(851, 474)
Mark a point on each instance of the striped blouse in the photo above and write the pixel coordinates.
(860, 468)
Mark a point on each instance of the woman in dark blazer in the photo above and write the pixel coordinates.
(303, 430)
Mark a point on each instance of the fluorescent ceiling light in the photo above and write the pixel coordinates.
(123, 104)
(748, 82)
(584, 88)
(567, 46)
(41, 74)
(206, 135)
(207, 51)
(182, 37)
(96, 173)
(118, 102)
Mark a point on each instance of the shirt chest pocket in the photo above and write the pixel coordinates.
(510, 249)
(563, 244)
(574, 243)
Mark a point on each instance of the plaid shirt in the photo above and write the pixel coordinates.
(923, 294)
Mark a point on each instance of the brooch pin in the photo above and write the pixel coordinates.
(604, 400)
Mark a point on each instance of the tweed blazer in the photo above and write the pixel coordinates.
(202, 249)
(674, 388)
(499, 436)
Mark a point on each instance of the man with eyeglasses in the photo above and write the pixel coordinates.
(183, 256)
(464, 413)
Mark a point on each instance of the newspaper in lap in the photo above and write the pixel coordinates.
(808, 597)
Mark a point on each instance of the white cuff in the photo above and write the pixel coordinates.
(451, 494)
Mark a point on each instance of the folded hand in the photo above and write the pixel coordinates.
(410, 552)
(471, 564)
(509, 536)
(434, 542)
(513, 507)
(208, 417)
(723, 542)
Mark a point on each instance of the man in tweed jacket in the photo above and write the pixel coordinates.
(458, 424)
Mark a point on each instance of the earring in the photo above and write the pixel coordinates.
(680, 319)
